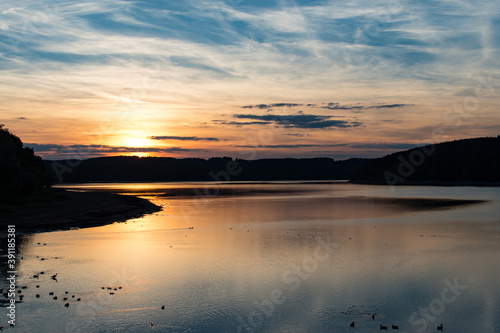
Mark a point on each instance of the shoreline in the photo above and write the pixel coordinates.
(429, 183)
(75, 210)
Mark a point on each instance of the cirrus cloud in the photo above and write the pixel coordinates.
(182, 138)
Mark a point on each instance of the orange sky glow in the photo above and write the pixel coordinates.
(285, 79)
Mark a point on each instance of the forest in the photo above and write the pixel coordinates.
(21, 171)
(163, 169)
(468, 161)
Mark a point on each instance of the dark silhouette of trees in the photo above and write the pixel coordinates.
(474, 161)
(151, 169)
(21, 171)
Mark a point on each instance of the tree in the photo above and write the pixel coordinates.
(21, 171)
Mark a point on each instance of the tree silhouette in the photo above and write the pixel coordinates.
(21, 171)
(475, 160)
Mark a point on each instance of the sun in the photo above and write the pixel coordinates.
(140, 154)
(136, 142)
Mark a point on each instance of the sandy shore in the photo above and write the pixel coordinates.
(75, 210)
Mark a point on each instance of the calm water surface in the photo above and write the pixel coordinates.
(272, 257)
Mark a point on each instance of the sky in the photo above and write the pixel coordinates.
(247, 78)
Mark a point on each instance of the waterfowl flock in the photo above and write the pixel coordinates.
(39, 276)
(65, 296)
(394, 327)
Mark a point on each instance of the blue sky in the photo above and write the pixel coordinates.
(338, 79)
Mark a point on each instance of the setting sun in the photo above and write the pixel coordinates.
(136, 142)
(140, 154)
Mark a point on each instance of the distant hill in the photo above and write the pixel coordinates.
(469, 161)
(155, 169)
(21, 171)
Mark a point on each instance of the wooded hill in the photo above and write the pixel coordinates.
(21, 171)
(163, 169)
(470, 161)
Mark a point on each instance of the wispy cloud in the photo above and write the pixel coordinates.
(338, 106)
(166, 67)
(301, 120)
(87, 151)
(241, 123)
(182, 138)
(289, 146)
(383, 146)
(329, 106)
(299, 135)
(268, 106)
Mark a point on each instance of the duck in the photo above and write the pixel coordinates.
(163, 307)
(352, 324)
(383, 328)
(440, 327)
(394, 327)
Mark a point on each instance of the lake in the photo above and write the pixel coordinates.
(271, 257)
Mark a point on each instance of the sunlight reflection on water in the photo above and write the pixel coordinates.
(219, 263)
